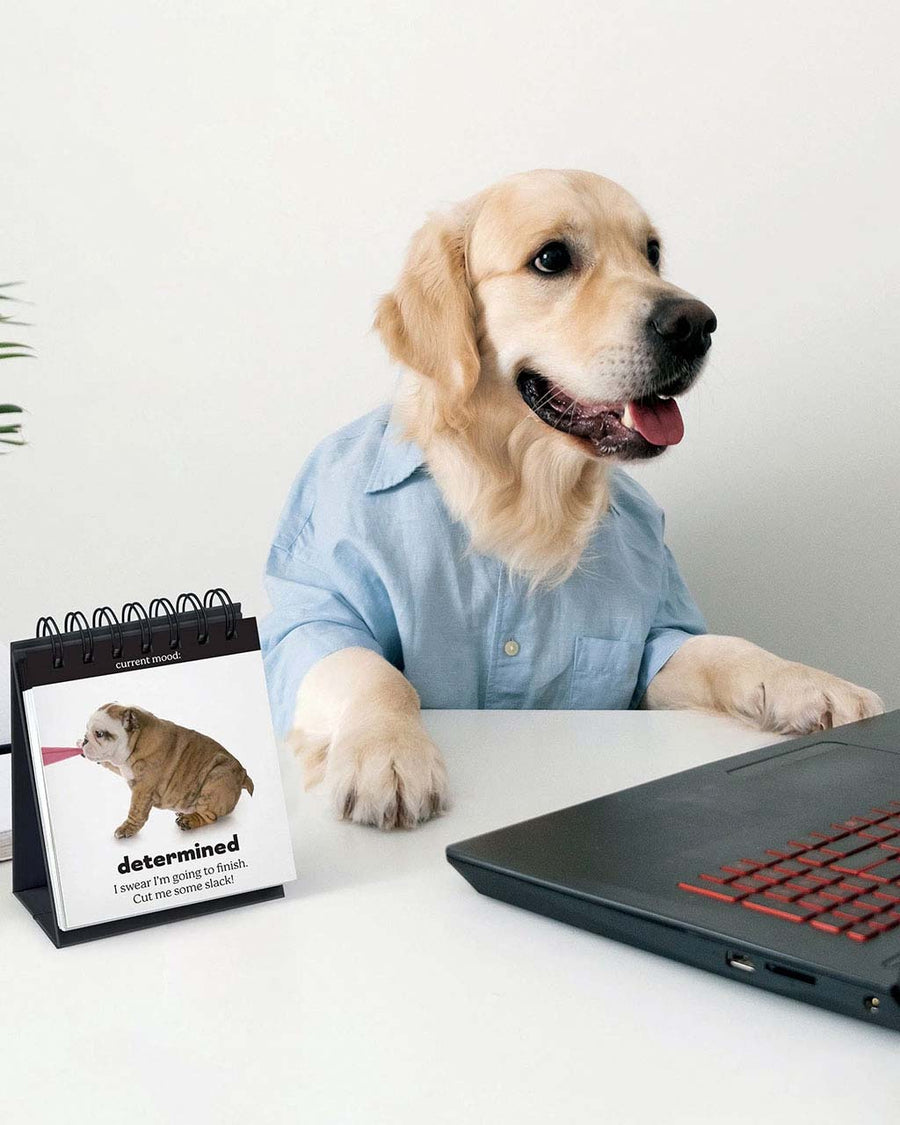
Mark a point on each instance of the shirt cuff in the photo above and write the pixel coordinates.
(660, 645)
(287, 662)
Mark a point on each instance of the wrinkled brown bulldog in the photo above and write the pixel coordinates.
(166, 767)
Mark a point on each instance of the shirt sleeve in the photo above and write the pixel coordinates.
(677, 618)
(326, 595)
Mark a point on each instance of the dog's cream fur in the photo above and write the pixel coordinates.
(465, 317)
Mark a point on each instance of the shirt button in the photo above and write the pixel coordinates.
(511, 648)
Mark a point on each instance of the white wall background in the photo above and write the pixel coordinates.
(206, 199)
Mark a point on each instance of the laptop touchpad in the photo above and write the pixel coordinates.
(779, 759)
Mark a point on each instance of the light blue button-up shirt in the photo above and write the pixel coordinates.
(366, 554)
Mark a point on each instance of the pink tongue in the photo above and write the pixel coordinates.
(52, 754)
(658, 420)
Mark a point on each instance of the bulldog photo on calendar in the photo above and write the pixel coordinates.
(166, 766)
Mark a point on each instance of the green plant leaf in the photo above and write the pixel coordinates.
(11, 432)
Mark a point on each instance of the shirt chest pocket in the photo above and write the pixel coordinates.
(604, 673)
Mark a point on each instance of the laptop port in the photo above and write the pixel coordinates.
(740, 961)
(793, 974)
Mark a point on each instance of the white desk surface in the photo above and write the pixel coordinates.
(384, 989)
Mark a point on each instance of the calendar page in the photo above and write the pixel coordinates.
(158, 783)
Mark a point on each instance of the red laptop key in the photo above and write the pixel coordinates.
(790, 867)
(847, 846)
(862, 861)
(853, 910)
(818, 902)
(786, 851)
(865, 932)
(878, 832)
(817, 858)
(883, 922)
(873, 902)
(839, 893)
(833, 832)
(743, 883)
(765, 877)
(815, 880)
(792, 911)
(823, 876)
(741, 867)
(831, 923)
(723, 894)
(852, 824)
(814, 840)
(885, 872)
(858, 883)
(786, 892)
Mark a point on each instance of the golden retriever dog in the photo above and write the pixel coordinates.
(465, 551)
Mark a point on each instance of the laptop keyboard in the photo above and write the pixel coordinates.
(841, 880)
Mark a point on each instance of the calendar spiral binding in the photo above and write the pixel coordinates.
(189, 610)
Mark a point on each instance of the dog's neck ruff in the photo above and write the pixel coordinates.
(524, 496)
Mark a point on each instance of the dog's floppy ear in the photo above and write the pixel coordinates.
(130, 719)
(428, 322)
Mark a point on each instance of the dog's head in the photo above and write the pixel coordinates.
(111, 733)
(548, 287)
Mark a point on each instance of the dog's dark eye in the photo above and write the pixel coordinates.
(653, 252)
(552, 258)
(98, 734)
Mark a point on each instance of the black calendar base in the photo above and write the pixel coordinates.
(38, 903)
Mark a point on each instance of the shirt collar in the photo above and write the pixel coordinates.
(396, 462)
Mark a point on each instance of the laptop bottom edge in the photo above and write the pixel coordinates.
(745, 965)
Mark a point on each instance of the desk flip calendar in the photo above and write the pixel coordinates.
(146, 782)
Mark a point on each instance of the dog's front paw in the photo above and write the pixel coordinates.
(125, 830)
(390, 775)
(794, 699)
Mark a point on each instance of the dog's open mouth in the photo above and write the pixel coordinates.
(643, 427)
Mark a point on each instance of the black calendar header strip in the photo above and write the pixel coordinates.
(38, 669)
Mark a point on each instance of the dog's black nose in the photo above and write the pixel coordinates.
(684, 324)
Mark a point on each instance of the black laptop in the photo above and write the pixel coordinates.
(779, 868)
